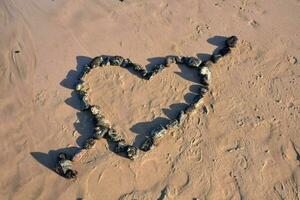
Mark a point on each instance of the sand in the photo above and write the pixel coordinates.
(246, 147)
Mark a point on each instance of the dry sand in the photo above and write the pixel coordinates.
(246, 147)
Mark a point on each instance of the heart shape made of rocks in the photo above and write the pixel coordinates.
(103, 128)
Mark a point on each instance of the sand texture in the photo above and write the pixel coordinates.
(246, 146)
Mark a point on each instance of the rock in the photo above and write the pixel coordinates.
(105, 61)
(95, 110)
(90, 143)
(100, 132)
(192, 62)
(136, 67)
(64, 167)
(121, 146)
(157, 68)
(132, 152)
(179, 59)
(71, 174)
(202, 91)
(116, 60)
(197, 100)
(173, 124)
(158, 133)
(215, 57)
(170, 60)
(206, 72)
(231, 41)
(148, 144)
(112, 136)
(224, 51)
(61, 156)
(96, 62)
(143, 73)
(79, 87)
(181, 118)
(85, 102)
(126, 63)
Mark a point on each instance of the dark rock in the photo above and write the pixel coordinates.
(116, 60)
(100, 132)
(131, 152)
(192, 62)
(181, 117)
(126, 63)
(106, 61)
(61, 156)
(148, 144)
(179, 59)
(112, 136)
(170, 60)
(231, 41)
(121, 146)
(173, 124)
(96, 62)
(89, 143)
(71, 174)
(64, 167)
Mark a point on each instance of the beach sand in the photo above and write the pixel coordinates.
(247, 145)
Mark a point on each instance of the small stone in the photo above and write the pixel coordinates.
(105, 61)
(112, 136)
(64, 167)
(143, 73)
(181, 118)
(95, 110)
(157, 69)
(202, 91)
(126, 63)
(116, 60)
(170, 60)
(71, 174)
(206, 72)
(179, 59)
(61, 156)
(96, 62)
(90, 143)
(192, 62)
(224, 51)
(86, 105)
(121, 146)
(100, 132)
(173, 124)
(136, 67)
(158, 133)
(148, 144)
(79, 87)
(231, 41)
(292, 59)
(215, 57)
(131, 152)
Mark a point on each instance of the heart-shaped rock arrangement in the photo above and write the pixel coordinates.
(103, 128)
